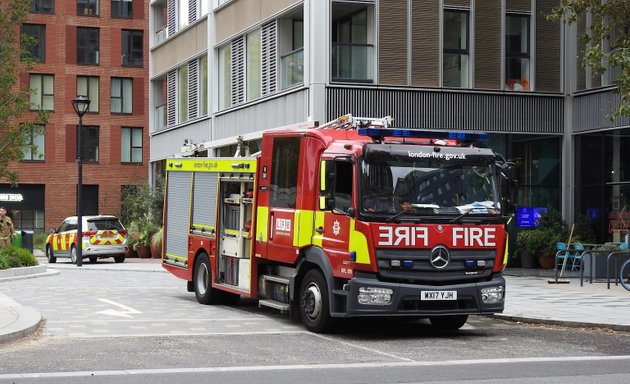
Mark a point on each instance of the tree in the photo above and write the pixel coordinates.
(15, 132)
(607, 39)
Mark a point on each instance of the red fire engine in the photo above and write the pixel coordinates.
(348, 219)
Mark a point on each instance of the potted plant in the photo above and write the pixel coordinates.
(540, 243)
(146, 229)
(156, 243)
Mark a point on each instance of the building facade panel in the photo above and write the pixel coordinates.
(457, 3)
(548, 49)
(392, 53)
(488, 50)
(168, 143)
(241, 14)
(518, 5)
(591, 111)
(180, 48)
(425, 32)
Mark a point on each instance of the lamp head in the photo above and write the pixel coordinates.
(80, 105)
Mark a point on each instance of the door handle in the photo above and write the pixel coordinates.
(319, 230)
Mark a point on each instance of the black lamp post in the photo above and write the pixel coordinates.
(80, 105)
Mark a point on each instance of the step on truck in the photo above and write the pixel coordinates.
(348, 219)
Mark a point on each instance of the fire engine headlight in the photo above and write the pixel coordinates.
(492, 295)
(375, 296)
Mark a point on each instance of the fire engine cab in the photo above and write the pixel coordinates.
(347, 219)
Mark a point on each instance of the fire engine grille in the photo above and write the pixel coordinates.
(414, 266)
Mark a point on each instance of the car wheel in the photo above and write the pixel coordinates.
(49, 255)
(119, 258)
(203, 287)
(73, 255)
(313, 302)
(448, 323)
(93, 260)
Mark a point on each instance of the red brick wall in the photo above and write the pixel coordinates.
(59, 171)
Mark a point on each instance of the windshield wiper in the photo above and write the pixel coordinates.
(396, 215)
(458, 218)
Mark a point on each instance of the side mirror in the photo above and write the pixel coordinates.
(52, 231)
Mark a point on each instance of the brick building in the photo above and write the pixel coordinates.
(94, 48)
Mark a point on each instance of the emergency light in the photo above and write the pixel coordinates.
(381, 133)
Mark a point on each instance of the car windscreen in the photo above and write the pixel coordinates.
(104, 224)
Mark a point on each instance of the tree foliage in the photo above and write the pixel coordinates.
(15, 132)
(607, 38)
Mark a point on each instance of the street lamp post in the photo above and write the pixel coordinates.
(80, 105)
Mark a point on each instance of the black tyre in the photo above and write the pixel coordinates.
(73, 255)
(93, 260)
(624, 275)
(202, 277)
(448, 323)
(119, 258)
(313, 302)
(49, 255)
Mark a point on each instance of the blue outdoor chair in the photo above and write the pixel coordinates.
(577, 251)
(562, 252)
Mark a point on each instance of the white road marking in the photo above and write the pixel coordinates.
(125, 312)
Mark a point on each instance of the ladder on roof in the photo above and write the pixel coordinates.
(351, 122)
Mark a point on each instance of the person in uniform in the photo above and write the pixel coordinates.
(7, 232)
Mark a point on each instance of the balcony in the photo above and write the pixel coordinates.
(292, 67)
(352, 63)
(161, 35)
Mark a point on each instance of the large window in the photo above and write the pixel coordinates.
(88, 86)
(225, 76)
(122, 9)
(43, 6)
(42, 94)
(87, 45)
(131, 145)
(284, 172)
(36, 43)
(455, 59)
(132, 48)
(182, 94)
(203, 85)
(35, 148)
(517, 53)
(182, 12)
(87, 8)
(253, 66)
(352, 42)
(292, 60)
(89, 144)
(122, 95)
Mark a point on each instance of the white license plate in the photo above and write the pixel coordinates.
(438, 295)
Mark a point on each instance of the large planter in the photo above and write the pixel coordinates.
(130, 253)
(528, 260)
(546, 262)
(144, 252)
(156, 251)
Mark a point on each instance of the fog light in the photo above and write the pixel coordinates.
(375, 296)
(492, 295)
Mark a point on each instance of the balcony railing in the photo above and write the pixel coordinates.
(161, 35)
(352, 62)
(292, 67)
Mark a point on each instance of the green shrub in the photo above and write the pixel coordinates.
(13, 257)
(39, 240)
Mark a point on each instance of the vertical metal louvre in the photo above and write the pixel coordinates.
(193, 89)
(171, 98)
(238, 70)
(192, 11)
(178, 213)
(269, 58)
(205, 199)
(171, 17)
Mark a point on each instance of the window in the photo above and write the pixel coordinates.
(352, 42)
(122, 9)
(225, 76)
(87, 45)
(132, 48)
(36, 44)
(203, 85)
(35, 147)
(292, 61)
(182, 12)
(89, 143)
(253, 65)
(455, 59)
(87, 7)
(131, 145)
(284, 172)
(182, 94)
(42, 95)
(122, 95)
(88, 86)
(517, 52)
(43, 6)
(343, 185)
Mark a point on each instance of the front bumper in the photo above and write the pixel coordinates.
(406, 298)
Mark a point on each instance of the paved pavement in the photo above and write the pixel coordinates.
(530, 298)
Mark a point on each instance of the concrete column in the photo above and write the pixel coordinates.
(317, 56)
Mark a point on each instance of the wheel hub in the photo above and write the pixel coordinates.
(312, 301)
(202, 279)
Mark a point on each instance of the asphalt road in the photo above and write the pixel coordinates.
(141, 327)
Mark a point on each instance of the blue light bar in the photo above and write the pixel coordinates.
(381, 133)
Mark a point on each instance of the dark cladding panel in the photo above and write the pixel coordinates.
(548, 48)
(392, 53)
(488, 44)
(425, 54)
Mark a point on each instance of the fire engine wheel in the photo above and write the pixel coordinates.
(203, 288)
(73, 255)
(448, 323)
(49, 255)
(314, 307)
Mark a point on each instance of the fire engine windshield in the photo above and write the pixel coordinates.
(409, 181)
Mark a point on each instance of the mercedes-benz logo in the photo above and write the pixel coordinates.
(440, 257)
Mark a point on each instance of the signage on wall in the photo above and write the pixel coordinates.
(528, 216)
(11, 197)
